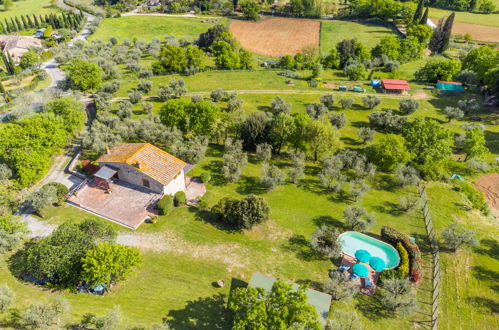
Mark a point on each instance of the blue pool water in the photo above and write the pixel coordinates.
(351, 241)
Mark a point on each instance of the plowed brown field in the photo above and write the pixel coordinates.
(276, 36)
(477, 31)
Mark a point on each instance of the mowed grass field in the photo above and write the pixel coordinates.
(369, 34)
(148, 27)
(29, 7)
(467, 17)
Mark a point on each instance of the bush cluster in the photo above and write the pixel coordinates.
(165, 205)
(403, 267)
(393, 237)
(179, 199)
(243, 213)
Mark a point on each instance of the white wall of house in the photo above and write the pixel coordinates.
(177, 184)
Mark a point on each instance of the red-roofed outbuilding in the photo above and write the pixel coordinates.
(394, 86)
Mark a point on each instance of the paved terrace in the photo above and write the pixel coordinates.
(126, 204)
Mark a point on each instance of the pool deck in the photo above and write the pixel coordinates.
(359, 282)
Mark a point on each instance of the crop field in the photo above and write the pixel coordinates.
(369, 34)
(478, 32)
(147, 27)
(28, 7)
(276, 36)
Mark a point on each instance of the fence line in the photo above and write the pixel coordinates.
(435, 253)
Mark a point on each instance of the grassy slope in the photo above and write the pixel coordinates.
(466, 17)
(333, 32)
(148, 27)
(29, 7)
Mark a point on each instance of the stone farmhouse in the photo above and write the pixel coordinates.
(143, 165)
(17, 45)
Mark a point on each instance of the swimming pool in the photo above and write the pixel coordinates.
(352, 241)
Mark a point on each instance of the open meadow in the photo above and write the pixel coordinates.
(148, 27)
(29, 7)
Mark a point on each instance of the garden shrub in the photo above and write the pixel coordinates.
(389, 274)
(179, 198)
(165, 205)
(205, 177)
(476, 199)
(403, 267)
(243, 213)
(393, 236)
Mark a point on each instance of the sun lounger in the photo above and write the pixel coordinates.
(353, 276)
(367, 282)
(344, 268)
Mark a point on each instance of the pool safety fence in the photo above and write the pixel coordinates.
(435, 253)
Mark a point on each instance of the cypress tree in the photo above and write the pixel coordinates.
(19, 24)
(419, 11)
(30, 22)
(448, 30)
(25, 23)
(472, 6)
(10, 64)
(36, 21)
(424, 19)
(15, 28)
(4, 59)
(7, 26)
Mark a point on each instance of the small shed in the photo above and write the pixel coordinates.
(394, 86)
(375, 82)
(358, 89)
(343, 88)
(321, 301)
(449, 87)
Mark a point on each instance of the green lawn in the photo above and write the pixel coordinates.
(148, 27)
(333, 32)
(29, 7)
(466, 17)
(177, 282)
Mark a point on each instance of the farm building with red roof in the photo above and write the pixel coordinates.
(394, 86)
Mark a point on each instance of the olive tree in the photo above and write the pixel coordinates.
(358, 218)
(397, 296)
(408, 106)
(455, 236)
(6, 298)
(371, 101)
(271, 177)
(298, 167)
(325, 242)
(338, 287)
(366, 134)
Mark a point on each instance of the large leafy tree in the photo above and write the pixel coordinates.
(474, 144)
(29, 60)
(85, 75)
(109, 263)
(389, 151)
(250, 9)
(438, 68)
(173, 59)
(197, 118)
(281, 308)
(481, 60)
(322, 137)
(59, 255)
(428, 140)
(225, 56)
(26, 146)
(70, 110)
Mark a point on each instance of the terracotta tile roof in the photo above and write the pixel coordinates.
(395, 84)
(150, 160)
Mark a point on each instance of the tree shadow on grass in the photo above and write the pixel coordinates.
(389, 208)
(250, 185)
(488, 247)
(370, 307)
(422, 242)
(310, 284)
(385, 182)
(215, 168)
(301, 246)
(350, 141)
(484, 274)
(328, 221)
(490, 304)
(202, 313)
(212, 219)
